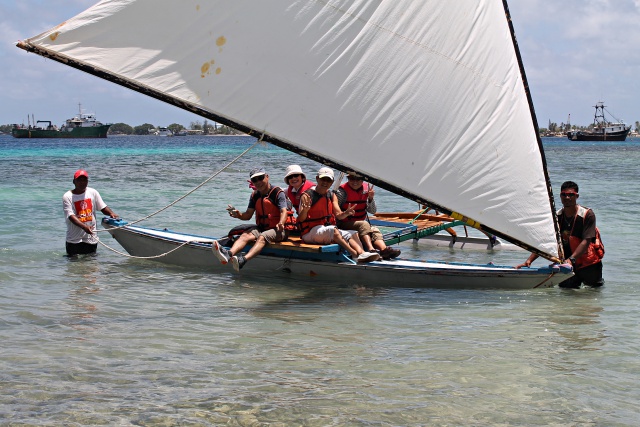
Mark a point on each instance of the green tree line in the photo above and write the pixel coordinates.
(205, 128)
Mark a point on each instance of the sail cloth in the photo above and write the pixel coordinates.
(424, 97)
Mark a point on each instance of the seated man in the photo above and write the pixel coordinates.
(317, 221)
(271, 207)
(354, 199)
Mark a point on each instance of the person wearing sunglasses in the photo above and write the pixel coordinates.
(581, 241)
(272, 208)
(354, 199)
(298, 184)
(318, 223)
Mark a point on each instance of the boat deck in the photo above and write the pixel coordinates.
(398, 227)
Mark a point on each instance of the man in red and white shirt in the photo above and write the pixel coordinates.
(80, 205)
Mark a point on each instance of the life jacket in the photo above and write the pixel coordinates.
(267, 211)
(320, 212)
(357, 198)
(595, 249)
(295, 196)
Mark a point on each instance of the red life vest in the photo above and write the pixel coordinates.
(357, 198)
(320, 212)
(595, 250)
(295, 197)
(267, 211)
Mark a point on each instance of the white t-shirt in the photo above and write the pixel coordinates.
(84, 207)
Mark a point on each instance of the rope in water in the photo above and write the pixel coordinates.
(173, 203)
(145, 257)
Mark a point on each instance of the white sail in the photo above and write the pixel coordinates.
(425, 96)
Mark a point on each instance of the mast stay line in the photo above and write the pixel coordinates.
(266, 137)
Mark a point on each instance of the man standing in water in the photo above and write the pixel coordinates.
(580, 240)
(79, 207)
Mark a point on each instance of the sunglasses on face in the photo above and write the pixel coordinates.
(295, 175)
(354, 178)
(325, 179)
(563, 194)
(257, 178)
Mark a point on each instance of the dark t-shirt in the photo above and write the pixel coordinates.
(582, 229)
(281, 201)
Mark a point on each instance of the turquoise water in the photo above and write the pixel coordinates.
(114, 341)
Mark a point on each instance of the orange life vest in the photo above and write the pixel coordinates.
(357, 198)
(267, 211)
(320, 212)
(595, 249)
(295, 197)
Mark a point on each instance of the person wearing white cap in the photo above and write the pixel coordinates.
(317, 221)
(354, 200)
(79, 206)
(298, 184)
(272, 208)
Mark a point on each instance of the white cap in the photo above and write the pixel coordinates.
(325, 172)
(293, 170)
(256, 172)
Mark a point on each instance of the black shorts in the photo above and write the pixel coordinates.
(590, 276)
(81, 248)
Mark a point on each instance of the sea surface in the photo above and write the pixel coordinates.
(114, 341)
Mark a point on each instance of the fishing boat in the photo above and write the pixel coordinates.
(80, 126)
(603, 130)
(272, 69)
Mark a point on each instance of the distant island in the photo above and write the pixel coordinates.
(212, 128)
(195, 128)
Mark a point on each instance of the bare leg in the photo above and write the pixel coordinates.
(355, 243)
(257, 247)
(242, 241)
(366, 242)
(379, 244)
(337, 237)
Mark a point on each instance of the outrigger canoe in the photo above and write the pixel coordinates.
(280, 71)
(328, 264)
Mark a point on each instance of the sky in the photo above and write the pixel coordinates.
(575, 53)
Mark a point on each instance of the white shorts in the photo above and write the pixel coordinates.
(323, 235)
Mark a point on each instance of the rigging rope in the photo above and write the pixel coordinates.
(171, 204)
(418, 216)
(190, 192)
(145, 257)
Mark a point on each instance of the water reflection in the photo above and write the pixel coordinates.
(578, 323)
(82, 274)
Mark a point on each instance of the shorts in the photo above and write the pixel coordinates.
(323, 234)
(363, 228)
(590, 276)
(271, 236)
(81, 248)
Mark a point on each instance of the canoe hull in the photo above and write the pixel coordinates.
(332, 267)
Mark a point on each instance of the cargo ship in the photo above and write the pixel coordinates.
(80, 126)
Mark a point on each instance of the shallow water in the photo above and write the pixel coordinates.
(109, 340)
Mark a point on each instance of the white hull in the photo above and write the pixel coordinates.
(330, 267)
